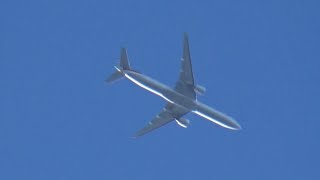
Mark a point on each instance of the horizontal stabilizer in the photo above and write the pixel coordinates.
(114, 77)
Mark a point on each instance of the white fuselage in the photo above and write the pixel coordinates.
(174, 97)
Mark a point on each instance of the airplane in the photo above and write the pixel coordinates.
(181, 99)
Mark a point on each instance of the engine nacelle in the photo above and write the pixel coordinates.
(183, 122)
(199, 89)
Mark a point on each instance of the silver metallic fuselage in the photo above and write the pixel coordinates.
(172, 96)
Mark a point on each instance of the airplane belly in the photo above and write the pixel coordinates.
(149, 85)
(181, 100)
(216, 117)
(161, 90)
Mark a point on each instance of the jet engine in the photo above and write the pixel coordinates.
(183, 122)
(199, 89)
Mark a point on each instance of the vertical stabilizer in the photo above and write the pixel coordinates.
(124, 62)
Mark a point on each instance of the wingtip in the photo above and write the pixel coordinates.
(135, 136)
(107, 81)
(185, 35)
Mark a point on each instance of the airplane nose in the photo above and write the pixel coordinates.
(232, 123)
(236, 125)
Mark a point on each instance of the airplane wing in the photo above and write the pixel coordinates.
(185, 84)
(168, 114)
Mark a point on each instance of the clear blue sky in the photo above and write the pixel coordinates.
(259, 61)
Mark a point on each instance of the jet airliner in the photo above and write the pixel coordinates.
(181, 99)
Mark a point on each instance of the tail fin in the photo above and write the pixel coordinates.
(124, 62)
(124, 65)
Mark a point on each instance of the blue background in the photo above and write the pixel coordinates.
(259, 61)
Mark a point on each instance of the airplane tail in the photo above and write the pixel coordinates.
(123, 65)
(124, 62)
